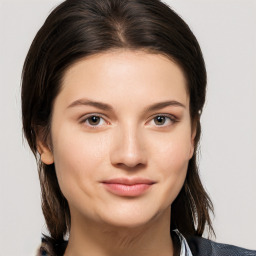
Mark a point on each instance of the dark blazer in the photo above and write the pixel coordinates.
(203, 247)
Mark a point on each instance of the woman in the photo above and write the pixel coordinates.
(112, 94)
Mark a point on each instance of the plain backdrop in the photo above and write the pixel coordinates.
(226, 31)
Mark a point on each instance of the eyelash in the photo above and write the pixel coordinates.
(172, 119)
(87, 117)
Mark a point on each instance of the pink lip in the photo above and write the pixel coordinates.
(128, 187)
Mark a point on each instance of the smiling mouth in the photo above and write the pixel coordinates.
(128, 187)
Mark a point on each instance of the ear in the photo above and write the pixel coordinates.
(192, 147)
(45, 152)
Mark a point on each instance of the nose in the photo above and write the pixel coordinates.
(128, 148)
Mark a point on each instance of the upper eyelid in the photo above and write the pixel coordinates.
(171, 116)
(86, 116)
(164, 114)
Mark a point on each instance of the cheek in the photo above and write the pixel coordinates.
(173, 150)
(77, 159)
(171, 159)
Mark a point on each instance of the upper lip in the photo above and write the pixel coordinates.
(129, 181)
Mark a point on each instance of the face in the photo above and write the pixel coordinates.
(121, 136)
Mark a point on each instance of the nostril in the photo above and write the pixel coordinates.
(130, 168)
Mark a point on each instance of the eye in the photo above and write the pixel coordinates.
(94, 121)
(162, 120)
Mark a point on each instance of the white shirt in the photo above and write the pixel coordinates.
(184, 248)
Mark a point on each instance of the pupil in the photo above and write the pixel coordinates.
(94, 120)
(160, 120)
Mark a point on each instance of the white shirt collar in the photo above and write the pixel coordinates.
(184, 248)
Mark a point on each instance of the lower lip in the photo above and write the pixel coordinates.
(127, 190)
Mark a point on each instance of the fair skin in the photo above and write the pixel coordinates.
(122, 139)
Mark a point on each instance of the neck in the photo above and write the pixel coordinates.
(98, 239)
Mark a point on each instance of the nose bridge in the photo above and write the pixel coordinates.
(131, 140)
(128, 147)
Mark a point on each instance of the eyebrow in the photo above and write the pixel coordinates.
(87, 102)
(164, 104)
(107, 107)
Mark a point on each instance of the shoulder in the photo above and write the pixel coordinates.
(200, 247)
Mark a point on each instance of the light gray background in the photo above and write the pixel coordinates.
(226, 31)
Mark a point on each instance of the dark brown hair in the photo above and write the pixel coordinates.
(79, 28)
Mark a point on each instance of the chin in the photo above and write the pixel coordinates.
(128, 223)
(132, 218)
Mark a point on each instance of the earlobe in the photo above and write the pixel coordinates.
(192, 148)
(46, 154)
(191, 151)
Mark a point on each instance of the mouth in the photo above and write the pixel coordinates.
(128, 187)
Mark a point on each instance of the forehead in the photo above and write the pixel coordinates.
(124, 73)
